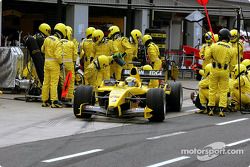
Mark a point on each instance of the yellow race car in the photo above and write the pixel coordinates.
(132, 97)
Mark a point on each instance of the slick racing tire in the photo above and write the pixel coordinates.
(156, 101)
(83, 95)
(36, 56)
(175, 99)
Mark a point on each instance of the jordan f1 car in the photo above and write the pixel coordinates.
(118, 99)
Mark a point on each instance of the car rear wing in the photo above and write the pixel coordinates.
(149, 74)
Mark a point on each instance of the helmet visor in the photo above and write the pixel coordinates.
(49, 32)
(132, 83)
(233, 37)
(95, 39)
(208, 37)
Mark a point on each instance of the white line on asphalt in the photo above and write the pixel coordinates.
(169, 161)
(167, 135)
(73, 155)
(233, 121)
(192, 110)
(238, 142)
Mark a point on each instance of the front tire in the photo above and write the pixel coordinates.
(83, 95)
(156, 101)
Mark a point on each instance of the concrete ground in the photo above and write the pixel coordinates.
(22, 121)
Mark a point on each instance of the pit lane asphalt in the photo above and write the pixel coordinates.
(38, 136)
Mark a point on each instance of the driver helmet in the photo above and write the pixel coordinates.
(131, 82)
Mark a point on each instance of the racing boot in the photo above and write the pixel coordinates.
(46, 103)
(211, 111)
(221, 113)
(56, 104)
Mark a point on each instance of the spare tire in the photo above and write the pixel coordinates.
(156, 100)
(83, 94)
(175, 99)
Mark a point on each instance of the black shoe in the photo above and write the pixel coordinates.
(56, 104)
(46, 104)
(211, 110)
(221, 113)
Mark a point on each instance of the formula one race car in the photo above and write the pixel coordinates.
(130, 99)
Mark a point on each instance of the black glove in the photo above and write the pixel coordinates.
(91, 59)
(61, 66)
(124, 54)
(135, 59)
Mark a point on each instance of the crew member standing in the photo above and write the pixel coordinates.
(153, 52)
(235, 43)
(221, 55)
(69, 59)
(52, 48)
(204, 49)
(135, 38)
(87, 48)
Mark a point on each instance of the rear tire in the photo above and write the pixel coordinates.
(156, 101)
(175, 99)
(83, 94)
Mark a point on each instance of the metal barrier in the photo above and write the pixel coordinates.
(11, 66)
(184, 63)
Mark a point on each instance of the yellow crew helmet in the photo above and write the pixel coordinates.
(97, 36)
(61, 29)
(89, 31)
(45, 29)
(69, 32)
(208, 37)
(238, 71)
(246, 62)
(216, 37)
(234, 35)
(136, 35)
(146, 39)
(147, 67)
(113, 30)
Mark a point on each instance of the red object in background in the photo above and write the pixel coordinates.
(188, 50)
(202, 2)
(66, 85)
(188, 63)
(246, 55)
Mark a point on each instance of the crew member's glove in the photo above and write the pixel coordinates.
(117, 56)
(61, 66)
(118, 59)
(135, 59)
(124, 54)
(91, 59)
